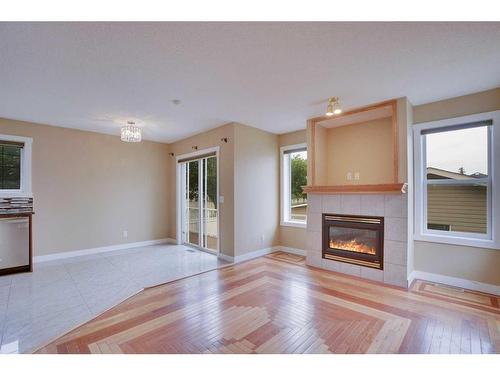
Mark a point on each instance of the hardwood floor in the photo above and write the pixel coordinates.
(276, 304)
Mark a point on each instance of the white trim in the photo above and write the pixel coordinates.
(178, 202)
(291, 250)
(225, 257)
(179, 188)
(197, 153)
(454, 281)
(26, 159)
(492, 239)
(254, 254)
(285, 221)
(294, 224)
(98, 250)
(260, 253)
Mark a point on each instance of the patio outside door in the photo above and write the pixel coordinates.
(200, 204)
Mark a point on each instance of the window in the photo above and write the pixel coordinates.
(455, 181)
(15, 166)
(10, 166)
(293, 178)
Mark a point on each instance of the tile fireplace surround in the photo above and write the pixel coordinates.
(393, 207)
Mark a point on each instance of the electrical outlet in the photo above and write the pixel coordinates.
(125, 234)
(262, 238)
(348, 176)
(356, 175)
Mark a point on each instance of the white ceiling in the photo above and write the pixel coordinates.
(273, 76)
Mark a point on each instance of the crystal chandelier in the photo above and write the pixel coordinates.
(131, 133)
(333, 107)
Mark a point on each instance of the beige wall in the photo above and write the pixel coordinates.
(293, 138)
(471, 263)
(365, 148)
(404, 120)
(484, 101)
(256, 189)
(292, 236)
(321, 156)
(211, 138)
(88, 188)
(407, 140)
(248, 180)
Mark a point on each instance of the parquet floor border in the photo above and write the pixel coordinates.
(277, 304)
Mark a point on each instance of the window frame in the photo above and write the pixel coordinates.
(26, 152)
(285, 187)
(421, 232)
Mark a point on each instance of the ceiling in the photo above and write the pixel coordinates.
(273, 76)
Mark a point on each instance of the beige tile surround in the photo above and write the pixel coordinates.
(394, 210)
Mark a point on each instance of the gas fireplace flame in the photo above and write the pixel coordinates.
(352, 245)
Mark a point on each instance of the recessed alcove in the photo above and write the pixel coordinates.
(356, 151)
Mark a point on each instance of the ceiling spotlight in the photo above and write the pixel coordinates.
(131, 133)
(333, 107)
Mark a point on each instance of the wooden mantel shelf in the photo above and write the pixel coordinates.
(356, 189)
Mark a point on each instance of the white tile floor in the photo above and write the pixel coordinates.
(59, 295)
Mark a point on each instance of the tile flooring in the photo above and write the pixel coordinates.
(59, 295)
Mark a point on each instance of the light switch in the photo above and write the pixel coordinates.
(221, 199)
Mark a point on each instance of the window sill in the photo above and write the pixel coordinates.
(294, 224)
(456, 240)
(15, 194)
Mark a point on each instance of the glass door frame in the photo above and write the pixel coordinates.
(181, 198)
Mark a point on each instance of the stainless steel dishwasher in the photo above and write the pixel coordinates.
(16, 235)
(14, 243)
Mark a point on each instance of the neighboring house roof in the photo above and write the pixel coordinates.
(479, 175)
(436, 173)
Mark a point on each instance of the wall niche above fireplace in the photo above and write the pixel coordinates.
(363, 147)
(354, 239)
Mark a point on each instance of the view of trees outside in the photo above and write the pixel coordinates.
(10, 167)
(211, 181)
(298, 179)
(209, 213)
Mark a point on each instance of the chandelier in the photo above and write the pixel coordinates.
(333, 107)
(131, 133)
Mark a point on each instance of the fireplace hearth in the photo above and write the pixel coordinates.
(354, 239)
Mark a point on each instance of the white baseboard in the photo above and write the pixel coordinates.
(260, 253)
(227, 258)
(291, 250)
(97, 250)
(454, 281)
(253, 254)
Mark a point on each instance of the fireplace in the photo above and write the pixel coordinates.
(354, 239)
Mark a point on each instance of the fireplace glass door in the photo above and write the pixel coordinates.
(354, 239)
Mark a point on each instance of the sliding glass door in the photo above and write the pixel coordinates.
(193, 203)
(200, 203)
(210, 205)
